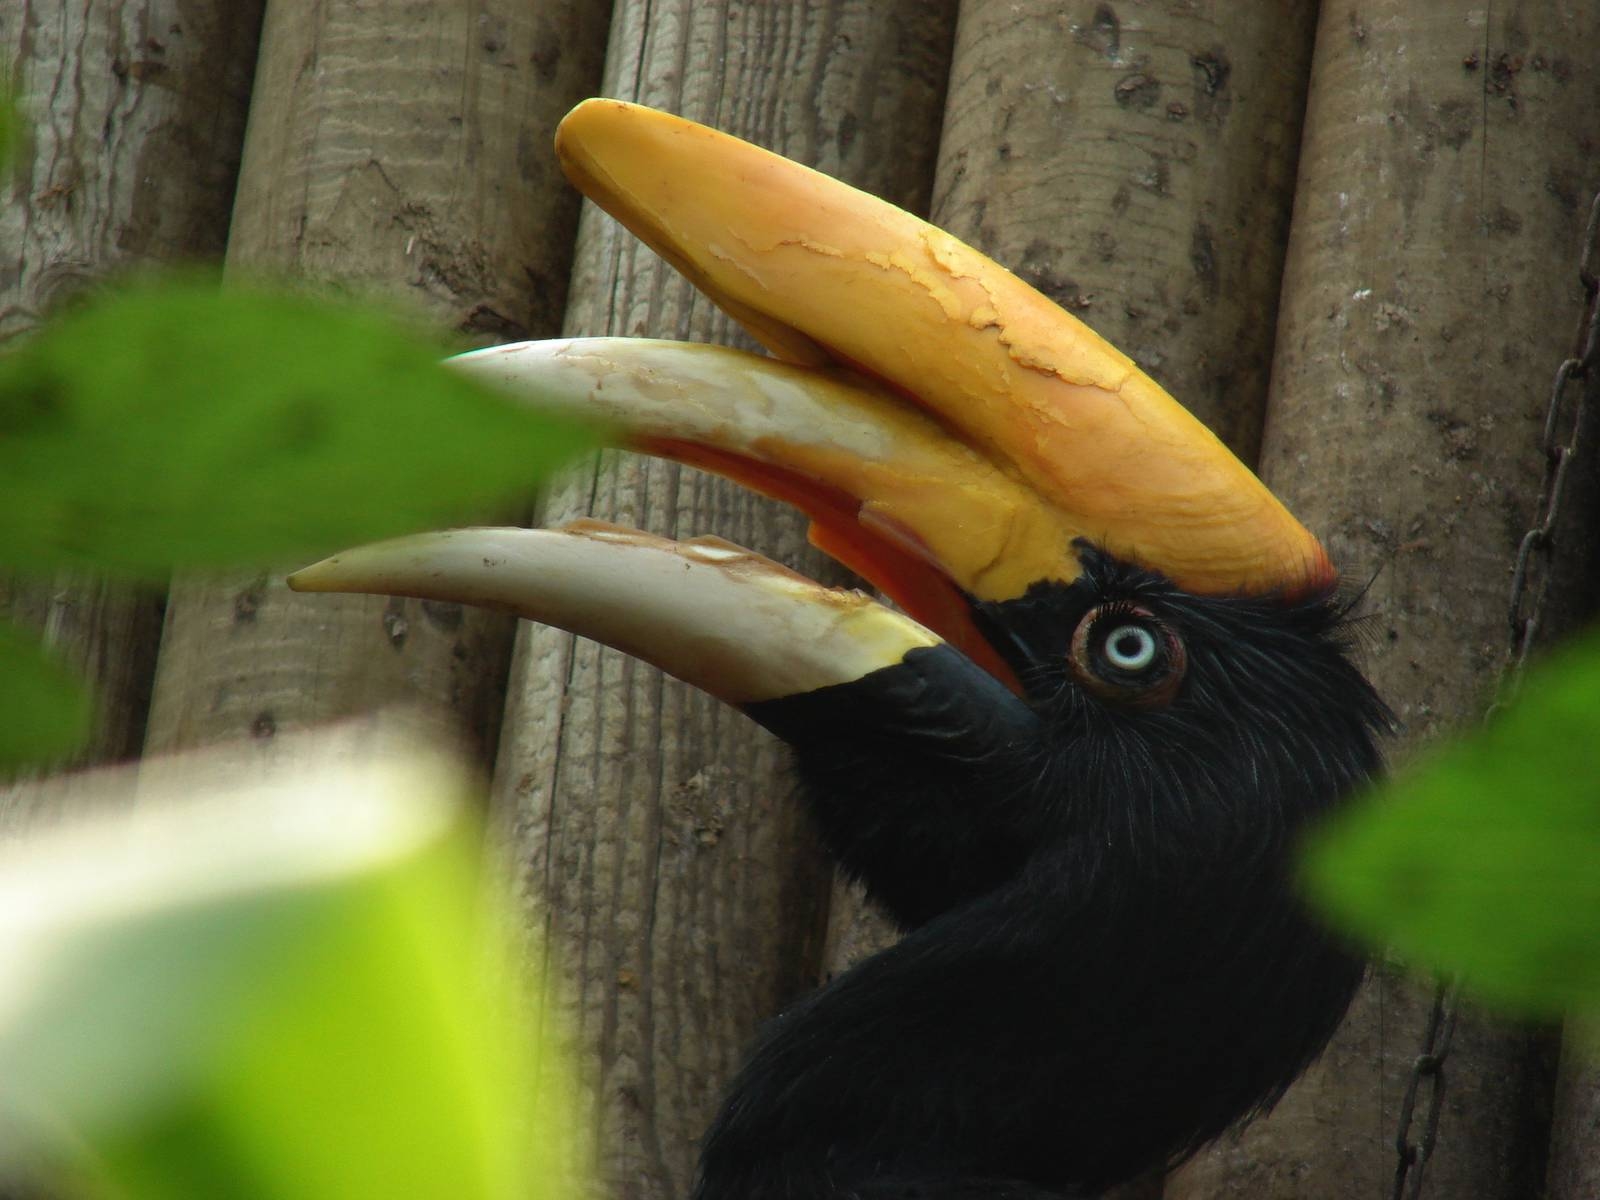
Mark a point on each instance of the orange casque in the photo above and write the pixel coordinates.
(822, 273)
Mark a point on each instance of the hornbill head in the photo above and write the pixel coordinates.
(1073, 764)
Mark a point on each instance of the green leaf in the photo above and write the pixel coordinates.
(179, 425)
(1485, 859)
(10, 124)
(44, 709)
(283, 992)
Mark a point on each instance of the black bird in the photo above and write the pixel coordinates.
(1076, 773)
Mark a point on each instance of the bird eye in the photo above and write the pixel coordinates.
(1127, 654)
(1130, 648)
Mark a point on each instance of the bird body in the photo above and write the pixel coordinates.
(1075, 769)
(1107, 964)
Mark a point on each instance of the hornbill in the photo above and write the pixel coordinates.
(1073, 764)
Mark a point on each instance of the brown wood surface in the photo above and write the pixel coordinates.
(657, 838)
(399, 150)
(1429, 296)
(856, 929)
(135, 111)
(1136, 163)
(1575, 1139)
(106, 634)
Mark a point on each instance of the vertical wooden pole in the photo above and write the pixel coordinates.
(136, 114)
(106, 634)
(135, 111)
(658, 843)
(1427, 302)
(400, 150)
(1137, 164)
(1575, 1141)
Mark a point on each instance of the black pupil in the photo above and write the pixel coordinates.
(1128, 644)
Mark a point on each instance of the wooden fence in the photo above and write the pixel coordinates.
(1346, 237)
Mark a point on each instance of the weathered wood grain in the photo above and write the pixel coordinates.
(105, 634)
(660, 847)
(1136, 163)
(135, 114)
(401, 151)
(1427, 301)
(1575, 1140)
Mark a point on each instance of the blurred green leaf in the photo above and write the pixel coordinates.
(286, 992)
(180, 425)
(10, 124)
(44, 709)
(1485, 859)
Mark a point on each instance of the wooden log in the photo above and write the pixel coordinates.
(1575, 1136)
(1136, 163)
(136, 115)
(105, 634)
(399, 150)
(1427, 302)
(659, 848)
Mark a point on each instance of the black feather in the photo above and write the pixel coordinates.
(1106, 965)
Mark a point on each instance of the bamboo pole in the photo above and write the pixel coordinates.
(399, 150)
(658, 845)
(1427, 302)
(136, 112)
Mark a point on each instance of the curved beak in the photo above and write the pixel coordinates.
(891, 494)
(732, 623)
(952, 434)
(824, 274)
(715, 615)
